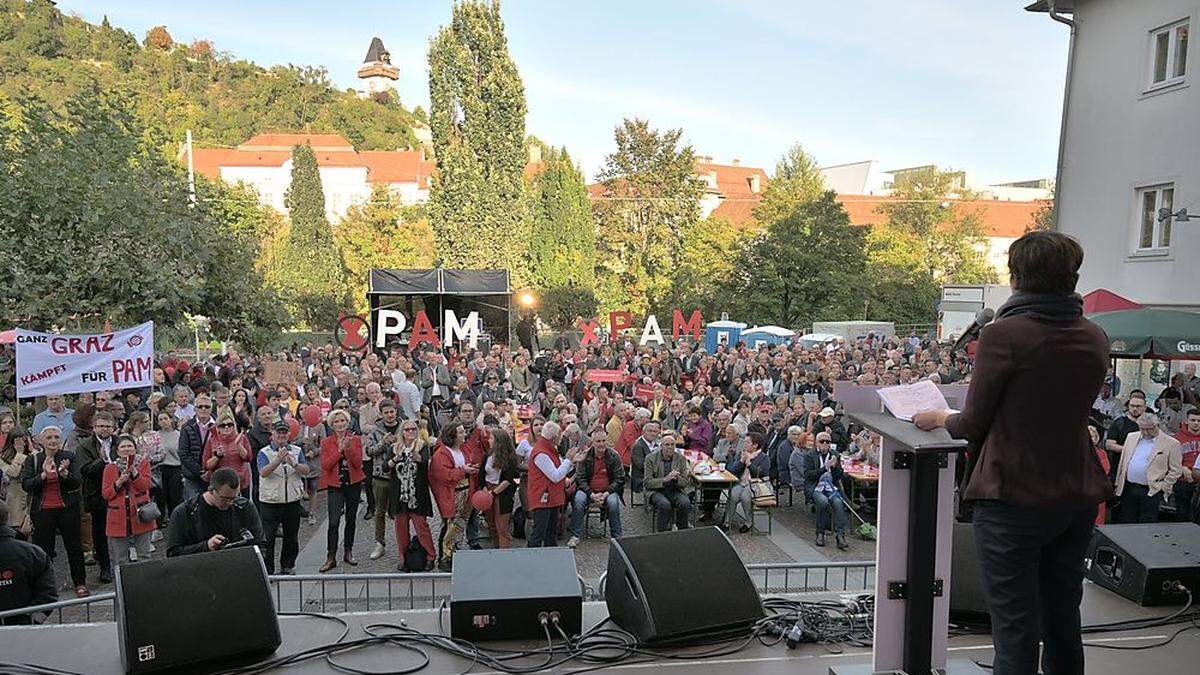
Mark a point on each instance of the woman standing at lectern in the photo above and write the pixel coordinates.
(1036, 480)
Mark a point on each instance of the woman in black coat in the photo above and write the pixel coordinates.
(409, 500)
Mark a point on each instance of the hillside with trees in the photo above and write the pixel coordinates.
(174, 86)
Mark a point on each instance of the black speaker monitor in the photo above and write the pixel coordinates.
(501, 594)
(207, 608)
(968, 604)
(673, 585)
(1146, 562)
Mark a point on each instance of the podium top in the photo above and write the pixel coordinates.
(906, 434)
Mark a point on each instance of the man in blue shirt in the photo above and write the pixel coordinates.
(56, 414)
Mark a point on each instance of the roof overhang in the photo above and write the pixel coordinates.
(1063, 6)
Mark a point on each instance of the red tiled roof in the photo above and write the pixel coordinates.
(335, 142)
(1000, 218)
(739, 212)
(734, 181)
(397, 166)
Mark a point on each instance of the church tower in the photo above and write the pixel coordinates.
(377, 72)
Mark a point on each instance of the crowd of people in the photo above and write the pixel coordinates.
(511, 442)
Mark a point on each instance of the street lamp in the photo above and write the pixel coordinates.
(527, 299)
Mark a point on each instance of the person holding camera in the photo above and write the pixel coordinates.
(214, 519)
(125, 486)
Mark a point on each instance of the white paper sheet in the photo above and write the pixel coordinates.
(906, 400)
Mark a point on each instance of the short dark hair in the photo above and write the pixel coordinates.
(224, 477)
(1045, 262)
(756, 439)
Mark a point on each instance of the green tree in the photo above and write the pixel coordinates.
(311, 273)
(949, 236)
(1044, 217)
(806, 267)
(711, 248)
(105, 229)
(42, 31)
(900, 286)
(477, 117)
(240, 306)
(562, 239)
(797, 180)
(382, 233)
(651, 196)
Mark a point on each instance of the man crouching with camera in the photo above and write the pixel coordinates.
(216, 518)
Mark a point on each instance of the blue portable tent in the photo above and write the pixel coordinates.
(767, 335)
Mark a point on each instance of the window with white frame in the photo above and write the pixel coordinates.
(1168, 54)
(1154, 233)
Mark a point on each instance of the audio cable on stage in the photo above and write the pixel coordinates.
(789, 621)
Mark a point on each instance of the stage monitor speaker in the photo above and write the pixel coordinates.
(674, 585)
(968, 605)
(504, 593)
(1145, 562)
(181, 613)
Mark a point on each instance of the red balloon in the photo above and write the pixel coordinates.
(482, 500)
(312, 415)
(293, 428)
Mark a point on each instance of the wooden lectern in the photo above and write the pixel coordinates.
(915, 523)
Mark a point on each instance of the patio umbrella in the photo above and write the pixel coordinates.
(1104, 300)
(1151, 333)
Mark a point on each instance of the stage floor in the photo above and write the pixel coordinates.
(92, 648)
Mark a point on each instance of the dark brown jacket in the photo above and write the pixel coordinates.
(1027, 411)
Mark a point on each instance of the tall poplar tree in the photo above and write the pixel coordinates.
(311, 273)
(477, 116)
(562, 239)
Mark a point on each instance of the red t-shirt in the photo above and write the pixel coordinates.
(1189, 445)
(52, 493)
(599, 482)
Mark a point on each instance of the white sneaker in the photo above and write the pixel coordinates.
(156, 536)
(572, 542)
(377, 552)
(133, 554)
(312, 520)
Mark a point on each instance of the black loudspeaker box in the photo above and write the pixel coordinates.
(677, 585)
(503, 594)
(968, 605)
(1145, 562)
(182, 613)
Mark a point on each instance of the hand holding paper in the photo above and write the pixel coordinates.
(906, 400)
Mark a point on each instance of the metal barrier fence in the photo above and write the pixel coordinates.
(395, 591)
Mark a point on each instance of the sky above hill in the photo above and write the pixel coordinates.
(969, 84)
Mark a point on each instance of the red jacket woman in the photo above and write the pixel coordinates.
(331, 456)
(124, 500)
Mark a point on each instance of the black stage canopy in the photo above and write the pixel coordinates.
(435, 290)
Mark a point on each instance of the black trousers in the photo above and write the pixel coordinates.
(171, 494)
(64, 522)
(287, 515)
(1135, 505)
(545, 528)
(342, 499)
(100, 538)
(664, 502)
(367, 489)
(1032, 565)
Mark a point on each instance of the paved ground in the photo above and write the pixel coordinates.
(790, 540)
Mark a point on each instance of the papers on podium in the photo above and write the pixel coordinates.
(906, 400)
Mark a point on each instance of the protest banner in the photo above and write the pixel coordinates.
(282, 372)
(48, 363)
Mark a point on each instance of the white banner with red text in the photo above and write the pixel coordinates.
(49, 363)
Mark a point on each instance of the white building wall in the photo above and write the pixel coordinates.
(1119, 136)
(859, 178)
(343, 186)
